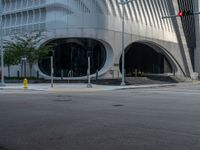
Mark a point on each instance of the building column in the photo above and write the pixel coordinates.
(185, 54)
(197, 29)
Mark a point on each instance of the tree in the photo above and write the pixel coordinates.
(12, 54)
(10, 59)
(27, 45)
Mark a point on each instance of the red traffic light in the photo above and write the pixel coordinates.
(185, 13)
(180, 13)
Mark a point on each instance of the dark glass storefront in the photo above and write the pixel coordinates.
(71, 57)
(143, 58)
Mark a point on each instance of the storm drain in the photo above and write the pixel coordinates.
(63, 96)
(117, 105)
(63, 100)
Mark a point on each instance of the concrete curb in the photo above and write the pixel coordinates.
(147, 86)
(108, 88)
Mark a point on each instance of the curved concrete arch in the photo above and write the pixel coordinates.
(60, 5)
(109, 60)
(160, 49)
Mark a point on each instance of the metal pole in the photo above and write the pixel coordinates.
(23, 60)
(123, 3)
(25, 67)
(52, 71)
(174, 16)
(89, 85)
(62, 74)
(97, 74)
(21, 68)
(123, 57)
(1, 45)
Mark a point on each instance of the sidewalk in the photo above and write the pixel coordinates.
(78, 87)
(82, 87)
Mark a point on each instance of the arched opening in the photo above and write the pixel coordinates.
(71, 57)
(143, 59)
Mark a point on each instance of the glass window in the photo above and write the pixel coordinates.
(71, 57)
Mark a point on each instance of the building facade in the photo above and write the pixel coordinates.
(82, 28)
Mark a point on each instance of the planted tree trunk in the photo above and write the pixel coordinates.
(8, 71)
(30, 66)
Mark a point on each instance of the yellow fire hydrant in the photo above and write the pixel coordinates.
(25, 82)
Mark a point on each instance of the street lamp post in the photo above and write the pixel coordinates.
(123, 3)
(1, 45)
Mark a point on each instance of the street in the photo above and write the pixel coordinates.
(166, 118)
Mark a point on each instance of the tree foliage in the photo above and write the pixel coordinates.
(10, 59)
(27, 46)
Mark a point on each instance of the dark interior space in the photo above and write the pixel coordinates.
(142, 59)
(71, 57)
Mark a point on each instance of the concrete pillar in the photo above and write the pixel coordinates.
(197, 28)
(181, 39)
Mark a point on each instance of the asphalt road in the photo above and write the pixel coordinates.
(137, 119)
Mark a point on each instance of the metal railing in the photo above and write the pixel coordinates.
(70, 74)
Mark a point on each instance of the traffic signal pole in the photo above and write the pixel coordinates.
(185, 13)
(182, 14)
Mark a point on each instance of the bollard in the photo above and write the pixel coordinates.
(62, 75)
(18, 74)
(97, 74)
(25, 82)
(38, 75)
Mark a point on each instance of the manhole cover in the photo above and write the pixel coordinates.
(3, 148)
(59, 96)
(117, 105)
(63, 96)
(63, 100)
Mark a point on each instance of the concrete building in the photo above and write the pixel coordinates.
(82, 28)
